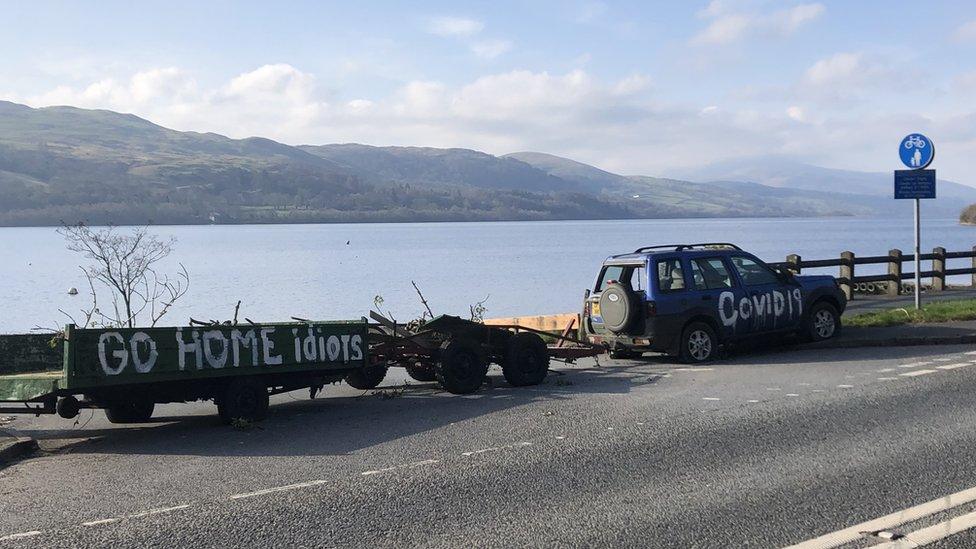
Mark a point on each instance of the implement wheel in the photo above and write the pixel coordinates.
(139, 411)
(526, 360)
(461, 369)
(243, 399)
(421, 374)
(366, 378)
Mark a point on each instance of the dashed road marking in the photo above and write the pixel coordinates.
(21, 535)
(917, 373)
(100, 522)
(774, 388)
(694, 369)
(278, 489)
(916, 364)
(792, 395)
(953, 366)
(887, 378)
(943, 359)
(845, 386)
(406, 466)
(885, 370)
(560, 437)
(819, 391)
(711, 398)
(752, 400)
(165, 510)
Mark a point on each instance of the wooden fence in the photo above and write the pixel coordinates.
(891, 282)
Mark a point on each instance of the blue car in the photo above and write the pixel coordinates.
(688, 300)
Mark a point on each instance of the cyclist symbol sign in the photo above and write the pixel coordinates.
(916, 151)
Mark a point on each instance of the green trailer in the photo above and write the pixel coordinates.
(128, 371)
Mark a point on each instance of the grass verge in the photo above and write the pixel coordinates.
(939, 311)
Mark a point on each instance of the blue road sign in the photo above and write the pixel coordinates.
(914, 184)
(916, 151)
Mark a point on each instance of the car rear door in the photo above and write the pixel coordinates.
(631, 274)
(773, 304)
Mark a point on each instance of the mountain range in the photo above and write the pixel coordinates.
(64, 164)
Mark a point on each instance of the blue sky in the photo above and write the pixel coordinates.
(636, 87)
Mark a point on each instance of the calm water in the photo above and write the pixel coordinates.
(309, 271)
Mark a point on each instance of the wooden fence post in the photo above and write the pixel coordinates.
(795, 261)
(939, 268)
(894, 272)
(973, 282)
(847, 274)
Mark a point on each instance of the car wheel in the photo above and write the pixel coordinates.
(823, 322)
(698, 343)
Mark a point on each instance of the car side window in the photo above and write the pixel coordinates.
(752, 272)
(710, 274)
(670, 276)
(611, 273)
(637, 278)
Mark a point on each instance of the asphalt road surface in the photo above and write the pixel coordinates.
(841, 448)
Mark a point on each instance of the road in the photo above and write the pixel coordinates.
(760, 450)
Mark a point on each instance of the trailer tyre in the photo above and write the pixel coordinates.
(243, 399)
(461, 369)
(366, 378)
(422, 374)
(526, 360)
(134, 411)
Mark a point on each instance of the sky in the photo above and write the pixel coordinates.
(649, 88)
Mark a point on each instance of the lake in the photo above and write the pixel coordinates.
(309, 271)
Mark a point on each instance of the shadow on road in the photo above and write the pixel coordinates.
(339, 424)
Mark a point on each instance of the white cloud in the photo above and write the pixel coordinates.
(966, 32)
(490, 49)
(610, 122)
(729, 24)
(455, 26)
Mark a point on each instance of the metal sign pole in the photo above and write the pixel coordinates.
(918, 263)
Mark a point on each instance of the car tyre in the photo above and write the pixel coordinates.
(698, 343)
(526, 360)
(461, 369)
(366, 378)
(135, 411)
(243, 399)
(823, 322)
(419, 373)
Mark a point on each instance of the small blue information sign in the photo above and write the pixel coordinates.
(914, 184)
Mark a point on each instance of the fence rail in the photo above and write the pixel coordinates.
(890, 283)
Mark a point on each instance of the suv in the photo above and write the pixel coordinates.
(688, 299)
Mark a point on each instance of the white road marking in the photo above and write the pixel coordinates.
(953, 366)
(278, 489)
(640, 422)
(885, 370)
(845, 386)
(774, 388)
(711, 398)
(100, 522)
(792, 395)
(887, 378)
(934, 533)
(159, 511)
(914, 364)
(917, 373)
(943, 359)
(804, 384)
(407, 466)
(819, 390)
(752, 401)
(560, 437)
(853, 533)
(21, 535)
(970, 353)
(694, 369)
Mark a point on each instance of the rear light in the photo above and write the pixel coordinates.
(586, 309)
(651, 308)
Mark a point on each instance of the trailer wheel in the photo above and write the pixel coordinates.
(526, 360)
(366, 378)
(421, 374)
(244, 399)
(461, 369)
(132, 411)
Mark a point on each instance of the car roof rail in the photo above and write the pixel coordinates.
(680, 247)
